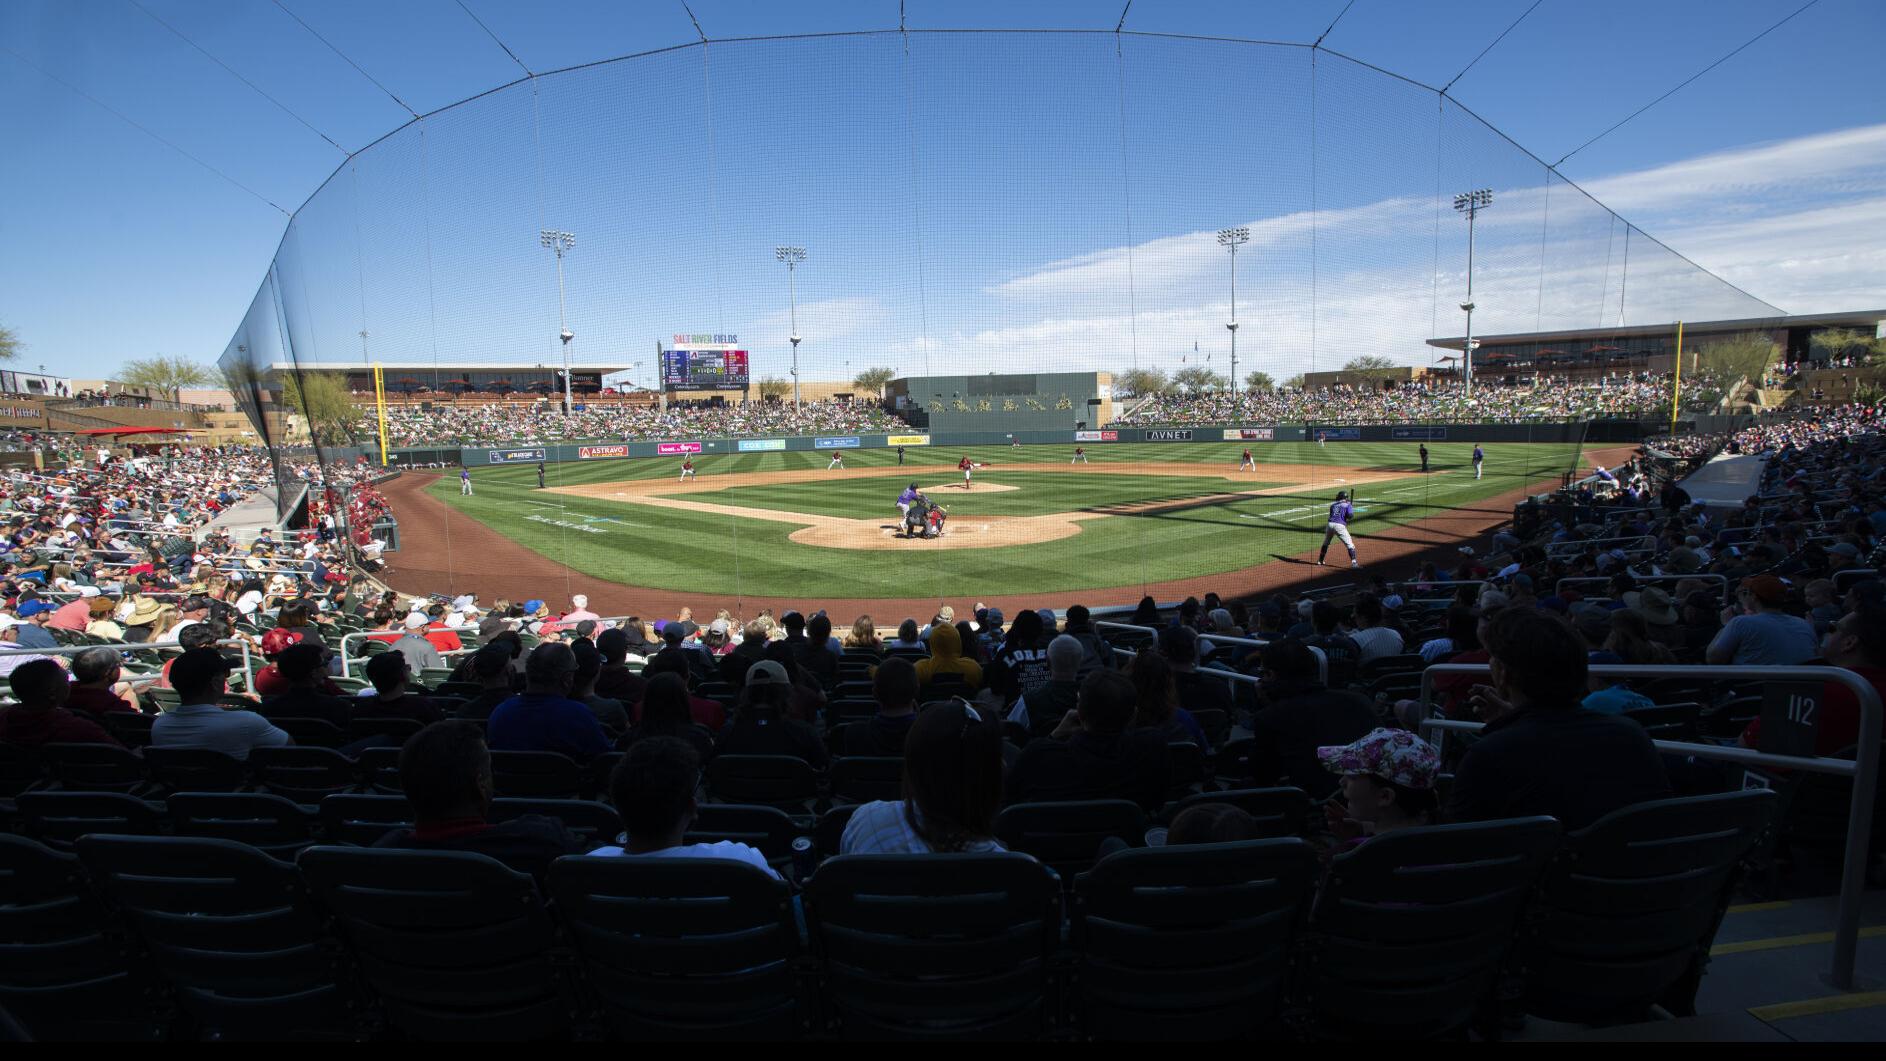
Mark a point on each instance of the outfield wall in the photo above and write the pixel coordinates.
(1256, 435)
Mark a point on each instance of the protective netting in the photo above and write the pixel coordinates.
(971, 203)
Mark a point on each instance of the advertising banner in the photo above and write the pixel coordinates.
(667, 448)
(590, 453)
(1413, 434)
(514, 456)
(1337, 434)
(1096, 436)
(1250, 434)
(907, 440)
(845, 442)
(1168, 434)
(761, 445)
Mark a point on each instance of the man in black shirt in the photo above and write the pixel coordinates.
(817, 656)
(1541, 752)
(391, 697)
(305, 670)
(491, 669)
(894, 687)
(761, 725)
(1198, 690)
(1095, 753)
(445, 771)
(1299, 716)
(616, 680)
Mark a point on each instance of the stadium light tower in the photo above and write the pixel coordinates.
(1231, 239)
(792, 256)
(1470, 204)
(560, 242)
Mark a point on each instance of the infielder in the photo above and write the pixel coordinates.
(1322, 439)
(1080, 455)
(838, 460)
(687, 469)
(1248, 462)
(464, 483)
(1479, 458)
(1340, 513)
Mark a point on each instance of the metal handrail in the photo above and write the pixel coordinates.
(1322, 660)
(248, 665)
(1863, 769)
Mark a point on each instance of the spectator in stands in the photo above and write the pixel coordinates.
(74, 614)
(1387, 782)
(99, 622)
(616, 680)
(761, 723)
(445, 772)
(268, 680)
(1701, 623)
(709, 713)
(1822, 610)
(1299, 715)
(579, 611)
(1096, 653)
(751, 649)
(807, 698)
(1540, 753)
(1858, 643)
(97, 687)
(1459, 637)
(1763, 634)
(1146, 613)
(304, 690)
(1211, 823)
(1020, 666)
(665, 713)
(1371, 635)
(200, 720)
(543, 718)
(817, 656)
(906, 636)
(392, 695)
(1058, 696)
(611, 713)
(1095, 752)
(32, 633)
(952, 790)
(1198, 690)
(863, 634)
(41, 716)
(1157, 704)
(946, 657)
(491, 669)
(419, 652)
(655, 792)
(894, 687)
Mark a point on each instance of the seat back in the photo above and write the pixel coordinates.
(1185, 766)
(1192, 942)
(379, 769)
(596, 823)
(1278, 811)
(390, 727)
(59, 818)
(63, 968)
(349, 818)
(1631, 903)
(774, 780)
(863, 778)
(232, 929)
(93, 767)
(20, 769)
(1412, 926)
(129, 728)
(456, 945)
(305, 775)
(1676, 722)
(273, 824)
(934, 946)
(683, 947)
(195, 769)
(768, 829)
(1067, 836)
(312, 732)
(535, 775)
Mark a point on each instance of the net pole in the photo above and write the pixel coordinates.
(1676, 385)
(379, 407)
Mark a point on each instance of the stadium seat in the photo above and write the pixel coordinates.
(535, 775)
(460, 690)
(828, 833)
(1067, 836)
(1278, 811)
(457, 947)
(129, 728)
(863, 778)
(63, 968)
(349, 818)
(1188, 943)
(1677, 722)
(1630, 904)
(393, 730)
(194, 770)
(94, 767)
(596, 823)
(679, 948)
(305, 775)
(379, 769)
(20, 769)
(1217, 723)
(312, 732)
(58, 818)
(768, 829)
(1185, 766)
(233, 931)
(935, 946)
(1411, 928)
(271, 824)
(774, 780)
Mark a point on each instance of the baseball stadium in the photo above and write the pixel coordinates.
(863, 528)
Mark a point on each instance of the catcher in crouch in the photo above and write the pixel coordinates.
(924, 518)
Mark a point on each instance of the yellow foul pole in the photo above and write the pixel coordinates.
(1676, 387)
(379, 407)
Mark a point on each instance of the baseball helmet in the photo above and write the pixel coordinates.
(1342, 495)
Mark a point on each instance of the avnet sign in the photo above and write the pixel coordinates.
(1183, 434)
(513, 456)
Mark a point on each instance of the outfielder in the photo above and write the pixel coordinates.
(1080, 455)
(687, 469)
(1248, 462)
(1340, 513)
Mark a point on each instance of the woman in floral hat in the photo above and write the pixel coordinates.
(1387, 784)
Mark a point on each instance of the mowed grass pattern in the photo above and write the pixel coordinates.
(722, 554)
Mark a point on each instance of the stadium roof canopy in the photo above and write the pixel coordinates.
(1862, 319)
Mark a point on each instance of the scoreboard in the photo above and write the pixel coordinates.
(704, 368)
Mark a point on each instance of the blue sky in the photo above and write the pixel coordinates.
(983, 218)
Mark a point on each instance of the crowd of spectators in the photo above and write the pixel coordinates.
(1543, 399)
(493, 423)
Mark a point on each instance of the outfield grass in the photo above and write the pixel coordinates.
(716, 553)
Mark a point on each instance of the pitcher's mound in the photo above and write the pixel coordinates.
(966, 532)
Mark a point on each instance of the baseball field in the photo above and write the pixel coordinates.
(786, 524)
